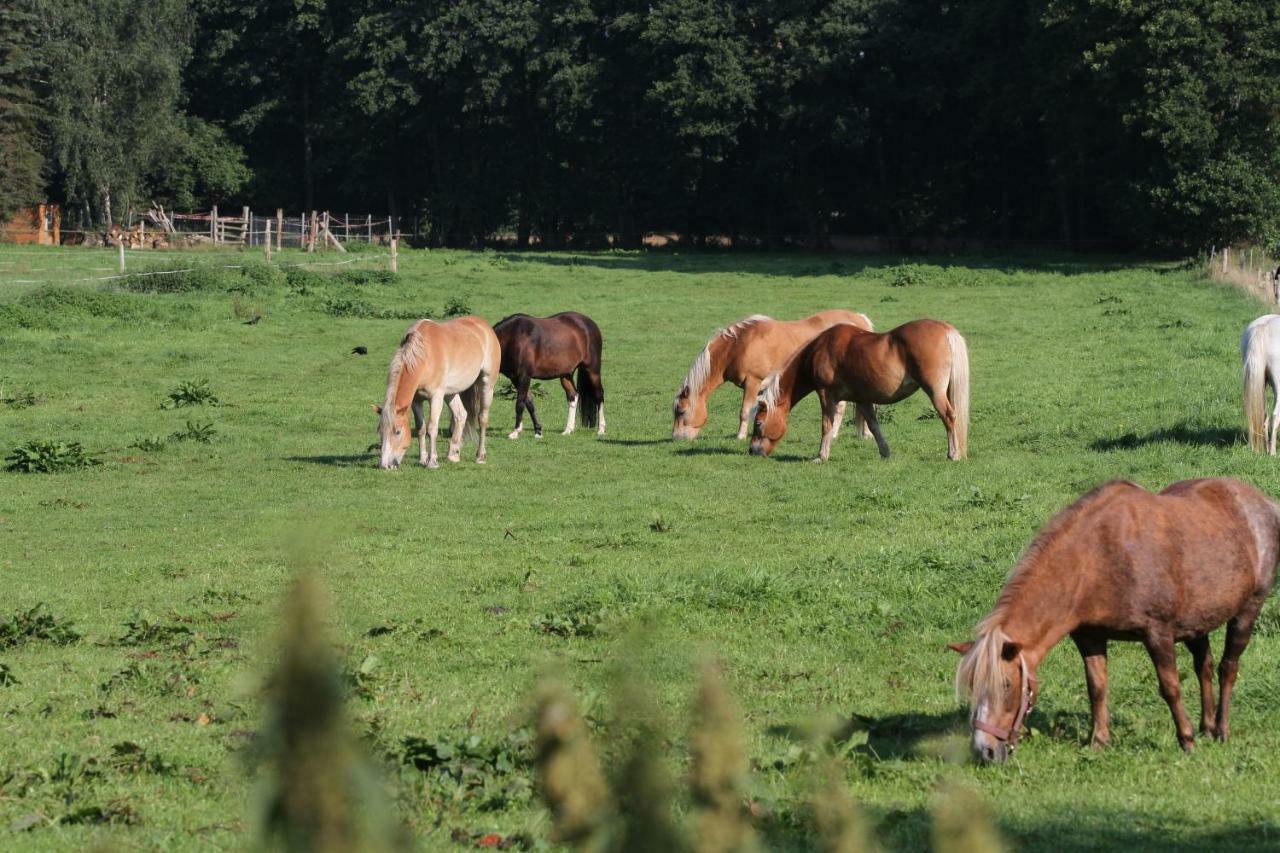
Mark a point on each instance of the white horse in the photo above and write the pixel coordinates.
(1260, 350)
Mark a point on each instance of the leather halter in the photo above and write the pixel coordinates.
(1027, 701)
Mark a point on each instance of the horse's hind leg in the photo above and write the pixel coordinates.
(839, 419)
(1239, 630)
(1161, 648)
(868, 413)
(750, 389)
(1094, 653)
(572, 394)
(485, 402)
(938, 396)
(459, 423)
(1202, 654)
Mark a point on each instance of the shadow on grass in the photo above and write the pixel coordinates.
(636, 442)
(353, 460)
(798, 264)
(893, 736)
(711, 450)
(1184, 433)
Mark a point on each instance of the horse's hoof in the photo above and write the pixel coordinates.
(433, 463)
(537, 435)
(454, 457)
(480, 460)
(818, 460)
(513, 435)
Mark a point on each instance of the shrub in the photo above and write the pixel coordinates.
(46, 457)
(456, 306)
(25, 626)
(191, 393)
(195, 431)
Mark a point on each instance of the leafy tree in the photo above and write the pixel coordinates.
(21, 159)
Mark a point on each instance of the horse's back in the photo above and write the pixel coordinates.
(467, 347)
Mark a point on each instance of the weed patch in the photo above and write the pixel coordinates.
(48, 457)
(34, 625)
(190, 393)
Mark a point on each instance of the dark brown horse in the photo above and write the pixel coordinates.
(1123, 564)
(553, 348)
(867, 368)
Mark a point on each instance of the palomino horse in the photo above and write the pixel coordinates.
(848, 363)
(1123, 564)
(455, 361)
(744, 354)
(1260, 350)
(549, 348)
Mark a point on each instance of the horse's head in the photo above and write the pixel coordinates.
(768, 419)
(1002, 690)
(393, 428)
(690, 411)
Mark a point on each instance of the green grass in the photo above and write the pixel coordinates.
(829, 591)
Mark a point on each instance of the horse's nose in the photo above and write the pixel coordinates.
(755, 449)
(988, 754)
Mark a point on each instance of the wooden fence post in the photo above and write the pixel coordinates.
(279, 227)
(266, 242)
(395, 263)
(213, 225)
(311, 246)
(120, 251)
(369, 224)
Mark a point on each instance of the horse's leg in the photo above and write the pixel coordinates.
(533, 413)
(522, 390)
(486, 401)
(1164, 655)
(433, 428)
(750, 388)
(420, 426)
(572, 394)
(948, 415)
(1239, 630)
(868, 413)
(839, 419)
(594, 374)
(1202, 654)
(829, 424)
(459, 423)
(1094, 653)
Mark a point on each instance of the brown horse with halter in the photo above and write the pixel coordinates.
(744, 354)
(848, 363)
(455, 361)
(1123, 564)
(553, 348)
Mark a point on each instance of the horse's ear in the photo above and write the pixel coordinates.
(377, 408)
(1010, 650)
(960, 648)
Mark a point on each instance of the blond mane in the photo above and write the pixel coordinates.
(413, 349)
(700, 370)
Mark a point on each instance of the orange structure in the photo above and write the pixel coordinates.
(41, 225)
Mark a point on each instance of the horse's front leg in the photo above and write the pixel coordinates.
(572, 394)
(459, 413)
(1161, 648)
(521, 387)
(433, 428)
(829, 424)
(533, 413)
(1094, 653)
(868, 413)
(420, 427)
(750, 390)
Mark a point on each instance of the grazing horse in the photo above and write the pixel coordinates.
(549, 348)
(744, 354)
(848, 363)
(1260, 351)
(1123, 564)
(455, 361)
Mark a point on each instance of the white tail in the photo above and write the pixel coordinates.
(1253, 349)
(958, 391)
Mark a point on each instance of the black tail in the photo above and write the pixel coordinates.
(590, 393)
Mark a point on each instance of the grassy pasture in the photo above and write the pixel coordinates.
(828, 591)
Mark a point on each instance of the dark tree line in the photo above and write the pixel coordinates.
(1132, 122)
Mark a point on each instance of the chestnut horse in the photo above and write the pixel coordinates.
(1260, 351)
(848, 363)
(1123, 564)
(455, 361)
(553, 348)
(744, 354)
